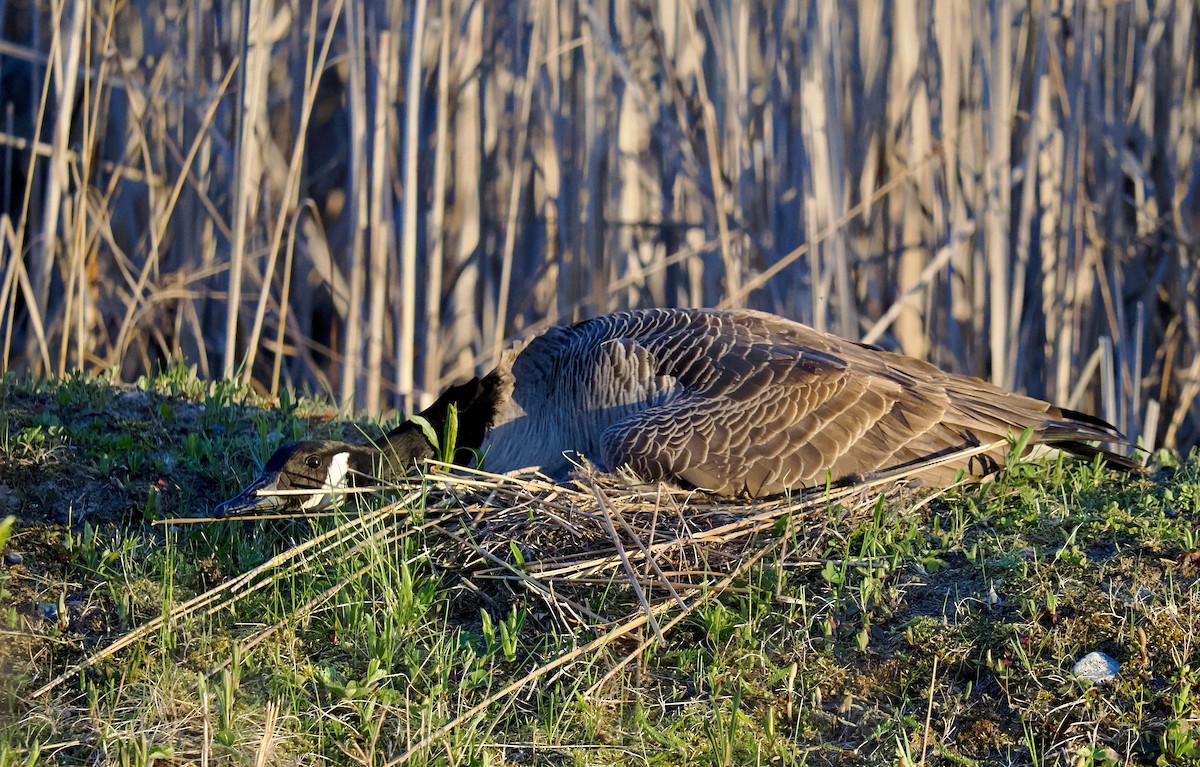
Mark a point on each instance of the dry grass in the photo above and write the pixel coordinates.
(522, 535)
(309, 195)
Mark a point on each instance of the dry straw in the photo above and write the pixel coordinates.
(507, 537)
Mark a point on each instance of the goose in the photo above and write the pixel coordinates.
(734, 403)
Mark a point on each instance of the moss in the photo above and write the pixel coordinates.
(979, 737)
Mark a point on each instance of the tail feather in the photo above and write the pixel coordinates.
(1075, 432)
(1084, 450)
(1077, 418)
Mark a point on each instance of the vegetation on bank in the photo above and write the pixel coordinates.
(493, 621)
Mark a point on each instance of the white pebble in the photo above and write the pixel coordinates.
(1096, 667)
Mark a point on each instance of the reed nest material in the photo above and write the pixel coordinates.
(512, 536)
(656, 554)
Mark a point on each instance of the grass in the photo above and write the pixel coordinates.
(906, 629)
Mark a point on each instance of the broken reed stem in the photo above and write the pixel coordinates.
(597, 644)
(687, 586)
(394, 535)
(642, 547)
(929, 710)
(407, 331)
(634, 582)
(300, 612)
(705, 595)
(657, 207)
(315, 63)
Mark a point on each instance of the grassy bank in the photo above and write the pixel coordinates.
(491, 621)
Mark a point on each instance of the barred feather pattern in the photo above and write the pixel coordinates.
(749, 403)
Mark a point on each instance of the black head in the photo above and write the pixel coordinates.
(317, 465)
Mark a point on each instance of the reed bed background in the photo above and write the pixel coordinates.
(368, 199)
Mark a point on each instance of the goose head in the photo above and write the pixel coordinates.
(318, 466)
(322, 467)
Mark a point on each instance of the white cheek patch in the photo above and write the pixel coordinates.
(339, 467)
(339, 470)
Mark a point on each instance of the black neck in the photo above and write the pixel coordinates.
(475, 402)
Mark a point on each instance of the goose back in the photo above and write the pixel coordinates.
(744, 402)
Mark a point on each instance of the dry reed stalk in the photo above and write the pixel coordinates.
(522, 119)
(431, 379)
(761, 279)
(1190, 395)
(625, 628)
(705, 595)
(917, 288)
(284, 304)
(299, 613)
(237, 588)
(596, 644)
(387, 84)
(130, 325)
(357, 213)
(76, 291)
(641, 158)
(649, 558)
(315, 63)
(630, 573)
(66, 50)
(998, 185)
(467, 211)
(371, 539)
(539, 586)
(908, 206)
(16, 280)
(727, 537)
(716, 172)
(35, 304)
(407, 330)
(252, 74)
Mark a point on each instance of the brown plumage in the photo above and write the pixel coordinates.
(744, 402)
(734, 403)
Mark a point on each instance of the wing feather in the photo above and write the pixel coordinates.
(746, 402)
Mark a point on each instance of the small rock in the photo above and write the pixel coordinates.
(47, 610)
(993, 599)
(1096, 667)
(14, 558)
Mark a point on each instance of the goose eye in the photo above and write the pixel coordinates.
(313, 462)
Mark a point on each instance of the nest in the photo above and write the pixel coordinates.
(662, 552)
(509, 537)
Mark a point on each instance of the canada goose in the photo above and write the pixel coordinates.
(730, 402)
